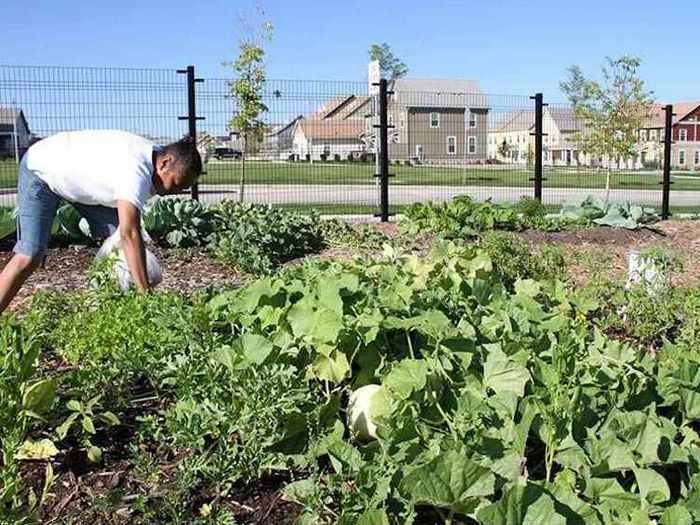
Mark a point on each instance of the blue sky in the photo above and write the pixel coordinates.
(511, 47)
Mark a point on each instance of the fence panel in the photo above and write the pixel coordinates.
(316, 150)
(38, 101)
(572, 175)
(447, 143)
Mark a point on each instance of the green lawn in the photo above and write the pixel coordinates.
(355, 173)
(326, 173)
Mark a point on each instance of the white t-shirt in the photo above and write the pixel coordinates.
(95, 166)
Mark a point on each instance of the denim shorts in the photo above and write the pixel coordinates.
(36, 210)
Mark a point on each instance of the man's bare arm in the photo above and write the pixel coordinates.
(132, 243)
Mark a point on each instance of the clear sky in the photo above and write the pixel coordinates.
(511, 47)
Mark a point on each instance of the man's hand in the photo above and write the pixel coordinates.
(132, 243)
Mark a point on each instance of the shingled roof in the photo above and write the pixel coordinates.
(328, 129)
(680, 109)
(439, 93)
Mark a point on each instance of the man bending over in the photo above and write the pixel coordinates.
(107, 176)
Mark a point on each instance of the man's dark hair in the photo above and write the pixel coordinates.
(185, 152)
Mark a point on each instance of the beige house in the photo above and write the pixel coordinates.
(510, 138)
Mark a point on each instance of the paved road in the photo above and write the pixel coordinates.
(368, 194)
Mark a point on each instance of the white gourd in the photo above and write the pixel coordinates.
(359, 416)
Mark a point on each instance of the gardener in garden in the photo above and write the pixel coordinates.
(108, 176)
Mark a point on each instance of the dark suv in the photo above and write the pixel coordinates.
(227, 153)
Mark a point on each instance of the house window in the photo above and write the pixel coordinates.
(697, 157)
(326, 149)
(644, 135)
(683, 134)
(471, 145)
(653, 135)
(451, 145)
(435, 120)
(681, 157)
(472, 119)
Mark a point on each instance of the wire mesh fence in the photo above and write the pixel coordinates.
(318, 148)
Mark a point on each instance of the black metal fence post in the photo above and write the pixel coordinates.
(383, 151)
(192, 117)
(666, 181)
(539, 169)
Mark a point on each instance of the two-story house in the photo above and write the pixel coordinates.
(510, 138)
(438, 121)
(685, 150)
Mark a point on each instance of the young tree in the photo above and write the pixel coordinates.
(247, 88)
(612, 111)
(390, 66)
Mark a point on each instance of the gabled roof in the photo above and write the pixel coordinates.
(522, 120)
(276, 129)
(564, 118)
(439, 93)
(318, 129)
(9, 116)
(680, 109)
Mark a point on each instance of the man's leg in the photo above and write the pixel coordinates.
(37, 206)
(103, 221)
(13, 276)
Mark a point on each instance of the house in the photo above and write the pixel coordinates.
(15, 137)
(335, 130)
(317, 139)
(560, 127)
(685, 150)
(509, 138)
(438, 121)
(278, 143)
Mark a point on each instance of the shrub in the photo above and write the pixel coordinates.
(257, 238)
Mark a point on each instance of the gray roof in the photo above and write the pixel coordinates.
(564, 118)
(439, 93)
(521, 120)
(8, 116)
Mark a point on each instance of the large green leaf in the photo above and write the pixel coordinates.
(502, 374)
(333, 367)
(256, 348)
(523, 504)
(652, 486)
(39, 396)
(449, 481)
(406, 377)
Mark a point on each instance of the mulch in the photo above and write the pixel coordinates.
(66, 268)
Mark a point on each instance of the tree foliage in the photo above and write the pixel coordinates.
(612, 110)
(391, 66)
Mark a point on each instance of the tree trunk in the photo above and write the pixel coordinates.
(241, 189)
(607, 185)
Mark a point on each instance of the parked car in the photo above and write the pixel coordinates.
(227, 153)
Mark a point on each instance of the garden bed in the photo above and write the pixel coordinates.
(226, 400)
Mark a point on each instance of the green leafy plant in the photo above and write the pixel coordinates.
(257, 238)
(178, 223)
(81, 420)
